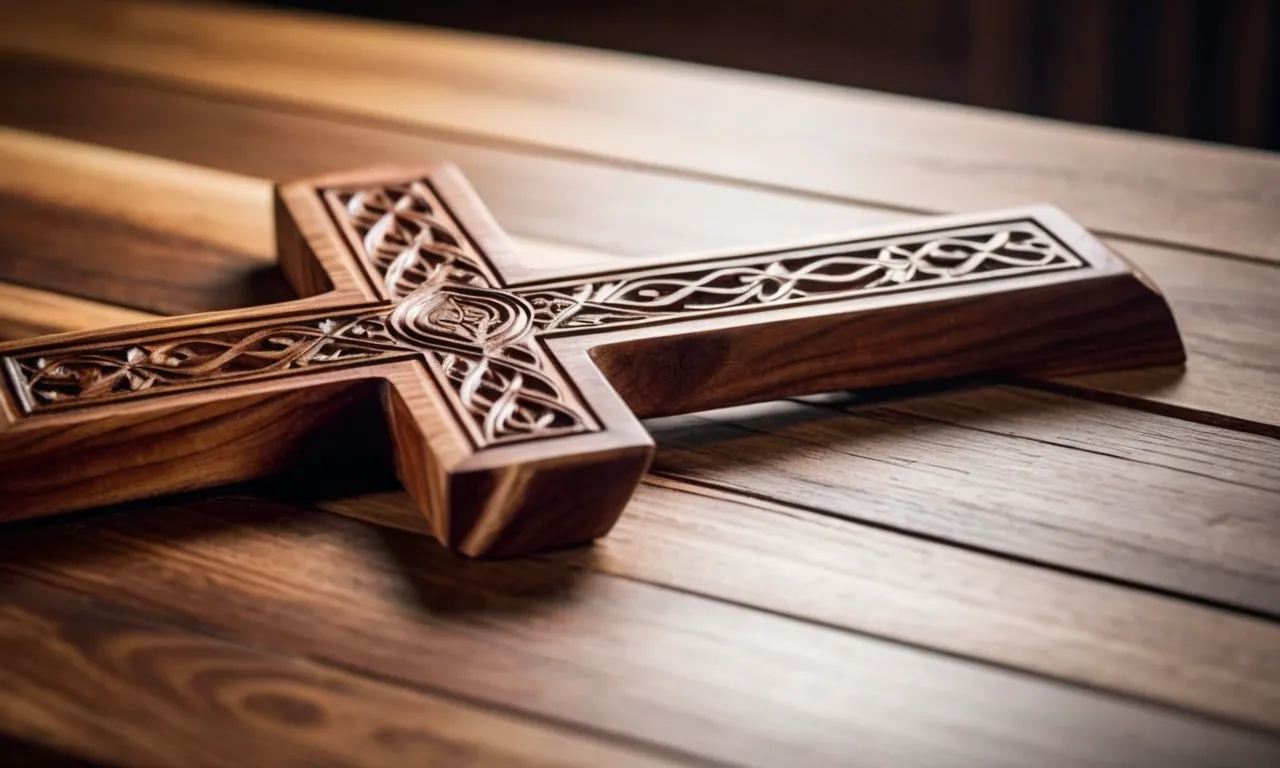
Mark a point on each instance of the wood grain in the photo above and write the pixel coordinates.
(795, 562)
(708, 679)
(120, 688)
(225, 210)
(810, 138)
(129, 453)
(1177, 520)
(1224, 307)
(598, 208)
(69, 251)
(26, 312)
(1228, 313)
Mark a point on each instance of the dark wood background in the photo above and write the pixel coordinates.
(1204, 69)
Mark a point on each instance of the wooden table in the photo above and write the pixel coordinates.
(1023, 573)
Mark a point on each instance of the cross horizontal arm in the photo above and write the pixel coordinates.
(184, 403)
(1023, 292)
(918, 259)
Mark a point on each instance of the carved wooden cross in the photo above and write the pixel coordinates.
(512, 395)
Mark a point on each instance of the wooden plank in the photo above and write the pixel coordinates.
(119, 687)
(205, 212)
(1192, 521)
(71, 251)
(1191, 448)
(26, 312)
(224, 210)
(586, 205)
(760, 130)
(87, 220)
(1227, 312)
(799, 563)
(574, 209)
(552, 640)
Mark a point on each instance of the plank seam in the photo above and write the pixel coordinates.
(1157, 407)
(1044, 441)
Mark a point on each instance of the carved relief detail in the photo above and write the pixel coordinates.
(78, 374)
(479, 320)
(479, 337)
(485, 351)
(497, 374)
(825, 273)
(511, 400)
(409, 238)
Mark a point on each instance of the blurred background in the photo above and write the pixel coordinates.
(1206, 69)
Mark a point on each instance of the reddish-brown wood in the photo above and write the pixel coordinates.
(511, 394)
(182, 697)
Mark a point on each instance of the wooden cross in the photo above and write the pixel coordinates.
(513, 396)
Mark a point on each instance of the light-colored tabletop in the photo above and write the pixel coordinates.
(1023, 573)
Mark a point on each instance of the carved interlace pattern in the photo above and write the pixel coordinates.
(483, 346)
(144, 365)
(817, 274)
(481, 337)
(480, 340)
(409, 239)
(501, 379)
